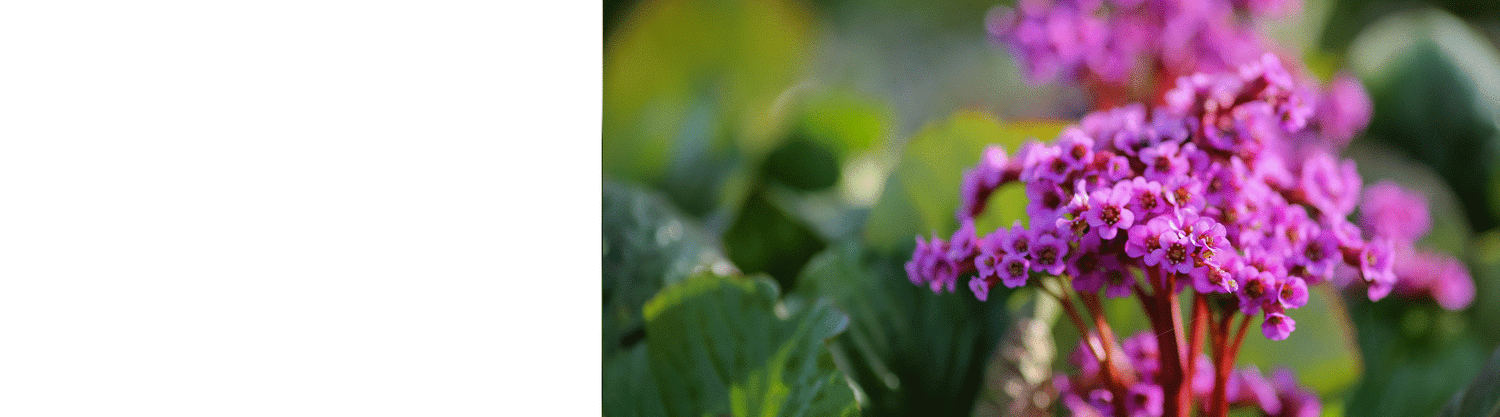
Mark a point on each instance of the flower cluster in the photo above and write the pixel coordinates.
(1212, 190)
(1104, 41)
(1232, 188)
(1228, 184)
(1400, 216)
(1088, 393)
(1108, 44)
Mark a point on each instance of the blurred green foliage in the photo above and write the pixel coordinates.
(1415, 357)
(1435, 84)
(922, 194)
(648, 244)
(1482, 396)
(691, 90)
(1415, 354)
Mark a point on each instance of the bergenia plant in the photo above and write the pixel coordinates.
(1229, 188)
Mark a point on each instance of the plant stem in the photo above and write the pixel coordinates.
(1225, 361)
(1195, 341)
(1167, 341)
(1114, 376)
(1239, 337)
(1219, 404)
(1067, 304)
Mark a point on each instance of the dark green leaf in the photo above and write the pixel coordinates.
(1412, 366)
(766, 239)
(718, 345)
(910, 351)
(802, 164)
(1482, 397)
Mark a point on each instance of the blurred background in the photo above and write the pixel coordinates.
(767, 164)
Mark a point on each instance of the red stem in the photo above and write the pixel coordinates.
(1078, 322)
(1167, 341)
(1195, 342)
(1239, 337)
(1225, 361)
(1116, 378)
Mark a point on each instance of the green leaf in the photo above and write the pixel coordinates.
(911, 352)
(845, 122)
(802, 164)
(766, 239)
(1482, 397)
(922, 194)
(648, 244)
(1415, 353)
(1411, 367)
(719, 345)
(629, 389)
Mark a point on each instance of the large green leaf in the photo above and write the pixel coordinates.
(1418, 355)
(1482, 397)
(922, 194)
(1435, 84)
(648, 244)
(1415, 357)
(725, 345)
(629, 388)
(910, 351)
